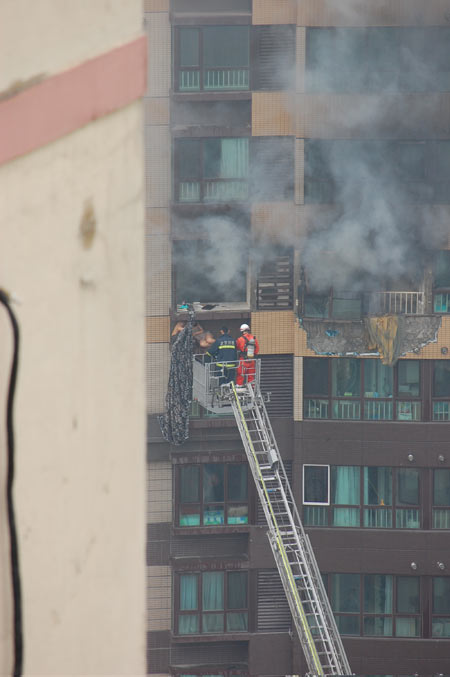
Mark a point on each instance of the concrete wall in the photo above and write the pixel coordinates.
(72, 224)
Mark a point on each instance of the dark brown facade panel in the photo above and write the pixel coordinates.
(383, 551)
(218, 546)
(270, 654)
(158, 651)
(157, 661)
(367, 431)
(158, 537)
(209, 653)
(401, 657)
(260, 553)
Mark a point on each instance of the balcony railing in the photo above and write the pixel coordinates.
(226, 78)
(395, 303)
(217, 79)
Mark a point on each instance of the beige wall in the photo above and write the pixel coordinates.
(44, 37)
(80, 415)
(80, 488)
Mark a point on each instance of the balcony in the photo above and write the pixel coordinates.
(350, 305)
(395, 303)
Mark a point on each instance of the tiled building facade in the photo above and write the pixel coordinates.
(298, 166)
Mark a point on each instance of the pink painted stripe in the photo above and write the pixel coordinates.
(65, 102)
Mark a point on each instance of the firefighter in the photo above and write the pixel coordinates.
(223, 353)
(248, 347)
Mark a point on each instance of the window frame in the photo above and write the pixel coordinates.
(371, 67)
(201, 179)
(316, 465)
(201, 68)
(322, 407)
(363, 614)
(322, 515)
(226, 503)
(200, 612)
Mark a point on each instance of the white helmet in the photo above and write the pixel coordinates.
(243, 327)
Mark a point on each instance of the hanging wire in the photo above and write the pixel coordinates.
(14, 550)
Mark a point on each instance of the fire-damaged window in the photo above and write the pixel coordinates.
(213, 270)
(274, 280)
(369, 497)
(354, 389)
(212, 58)
(211, 170)
(211, 602)
(442, 282)
(333, 168)
(212, 494)
(378, 59)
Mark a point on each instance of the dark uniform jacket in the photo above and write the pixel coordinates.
(224, 350)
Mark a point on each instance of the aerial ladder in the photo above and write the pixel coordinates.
(291, 547)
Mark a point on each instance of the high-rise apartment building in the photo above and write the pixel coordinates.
(298, 175)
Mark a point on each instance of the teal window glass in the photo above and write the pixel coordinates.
(378, 379)
(441, 607)
(346, 377)
(189, 47)
(441, 378)
(408, 602)
(378, 601)
(345, 490)
(442, 269)
(226, 46)
(188, 623)
(345, 602)
(409, 378)
(377, 486)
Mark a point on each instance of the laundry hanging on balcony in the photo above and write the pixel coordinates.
(174, 423)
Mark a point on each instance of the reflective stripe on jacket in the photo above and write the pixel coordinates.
(224, 350)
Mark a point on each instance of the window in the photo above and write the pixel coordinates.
(387, 59)
(212, 58)
(211, 170)
(376, 604)
(316, 481)
(441, 390)
(401, 162)
(205, 272)
(442, 282)
(212, 494)
(354, 388)
(441, 498)
(390, 497)
(212, 602)
(441, 607)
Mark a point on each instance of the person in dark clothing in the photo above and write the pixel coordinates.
(223, 353)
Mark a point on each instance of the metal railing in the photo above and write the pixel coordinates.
(226, 78)
(207, 380)
(214, 79)
(395, 303)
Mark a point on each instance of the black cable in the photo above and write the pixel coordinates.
(14, 550)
